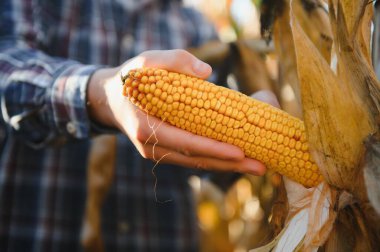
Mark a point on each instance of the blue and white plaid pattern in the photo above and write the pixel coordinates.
(48, 51)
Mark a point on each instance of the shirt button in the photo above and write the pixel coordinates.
(127, 41)
(70, 127)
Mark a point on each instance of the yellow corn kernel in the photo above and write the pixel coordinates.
(263, 132)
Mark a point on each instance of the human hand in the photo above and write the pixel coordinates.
(153, 138)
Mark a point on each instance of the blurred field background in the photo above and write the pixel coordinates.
(232, 18)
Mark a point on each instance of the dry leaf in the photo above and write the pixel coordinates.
(336, 125)
(354, 69)
(372, 171)
(353, 11)
(100, 174)
(364, 33)
(314, 20)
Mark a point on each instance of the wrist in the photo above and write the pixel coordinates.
(102, 95)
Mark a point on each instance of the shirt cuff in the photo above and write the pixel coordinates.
(68, 101)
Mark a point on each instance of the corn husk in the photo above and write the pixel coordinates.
(340, 104)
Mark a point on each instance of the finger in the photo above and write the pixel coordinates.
(164, 155)
(266, 96)
(190, 144)
(177, 60)
(149, 129)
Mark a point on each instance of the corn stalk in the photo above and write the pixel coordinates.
(326, 53)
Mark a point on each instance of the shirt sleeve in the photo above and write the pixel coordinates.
(43, 98)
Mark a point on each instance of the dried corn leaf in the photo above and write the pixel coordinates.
(353, 11)
(372, 171)
(314, 20)
(100, 173)
(354, 67)
(364, 33)
(336, 125)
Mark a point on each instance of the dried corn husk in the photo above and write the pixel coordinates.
(314, 21)
(336, 116)
(100, 172)
(340, 109)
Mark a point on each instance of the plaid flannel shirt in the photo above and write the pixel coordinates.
(48, 51)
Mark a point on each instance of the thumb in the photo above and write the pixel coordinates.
(176, 60)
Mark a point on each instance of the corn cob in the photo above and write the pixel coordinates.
(262, 131)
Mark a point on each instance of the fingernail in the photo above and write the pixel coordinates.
(200, 68)
(266, 96)
(256, 168)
